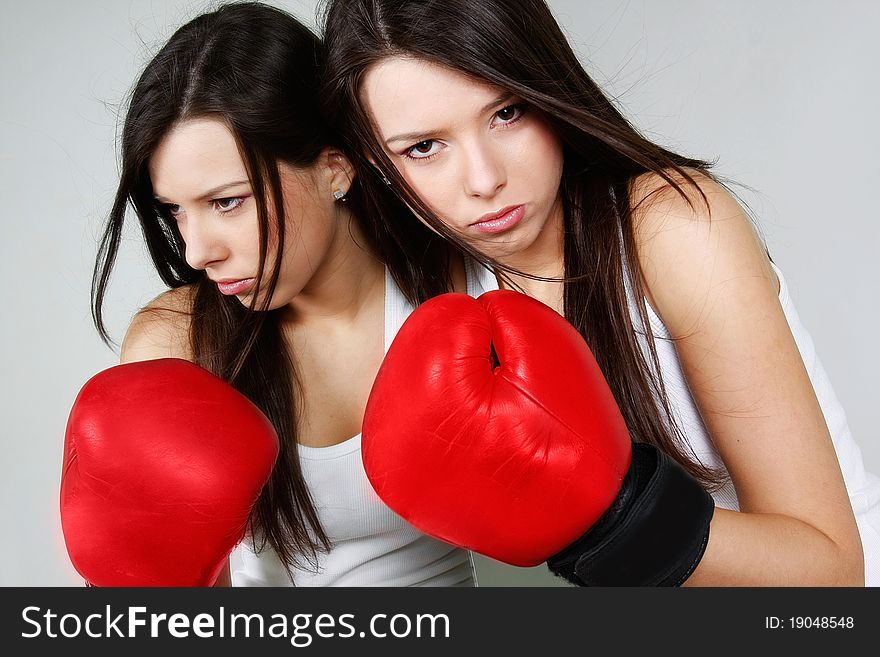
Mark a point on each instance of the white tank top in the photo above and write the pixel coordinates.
(863, 487)
(371, 545)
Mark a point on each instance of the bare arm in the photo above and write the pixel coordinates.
(709, 279)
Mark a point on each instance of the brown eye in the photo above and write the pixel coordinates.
(423, 150)
(509, 114)
(228, 204)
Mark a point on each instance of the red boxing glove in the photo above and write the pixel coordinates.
(512, 454)
(163, 462)
(491, 427)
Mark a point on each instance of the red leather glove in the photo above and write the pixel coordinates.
(163, 462)
(491, 427)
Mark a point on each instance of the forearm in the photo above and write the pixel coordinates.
(753, 549)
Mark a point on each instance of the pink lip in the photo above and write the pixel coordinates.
(497, 222)
(235, 286)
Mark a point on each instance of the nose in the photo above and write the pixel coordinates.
(484, 171)
(203, 242)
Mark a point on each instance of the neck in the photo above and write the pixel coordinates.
(346, 282)
(544, 258)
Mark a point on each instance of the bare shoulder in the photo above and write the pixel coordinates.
(161, 328)
(696, 207)
(691, 242)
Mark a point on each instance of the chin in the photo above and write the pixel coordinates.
(246, 301)
(505, 247)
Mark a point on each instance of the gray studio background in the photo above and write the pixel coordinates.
(785, 93)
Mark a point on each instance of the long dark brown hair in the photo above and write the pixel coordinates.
(255, 68)
(517, 45)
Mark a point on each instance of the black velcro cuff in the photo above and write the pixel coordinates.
(660, 536)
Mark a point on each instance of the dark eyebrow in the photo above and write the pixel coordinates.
(216, 192)
(419, 136)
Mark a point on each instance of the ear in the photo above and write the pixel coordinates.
(338, 168)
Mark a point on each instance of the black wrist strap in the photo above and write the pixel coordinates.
(654, 534)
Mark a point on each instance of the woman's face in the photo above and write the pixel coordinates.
(486, 164)
(198, 175)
